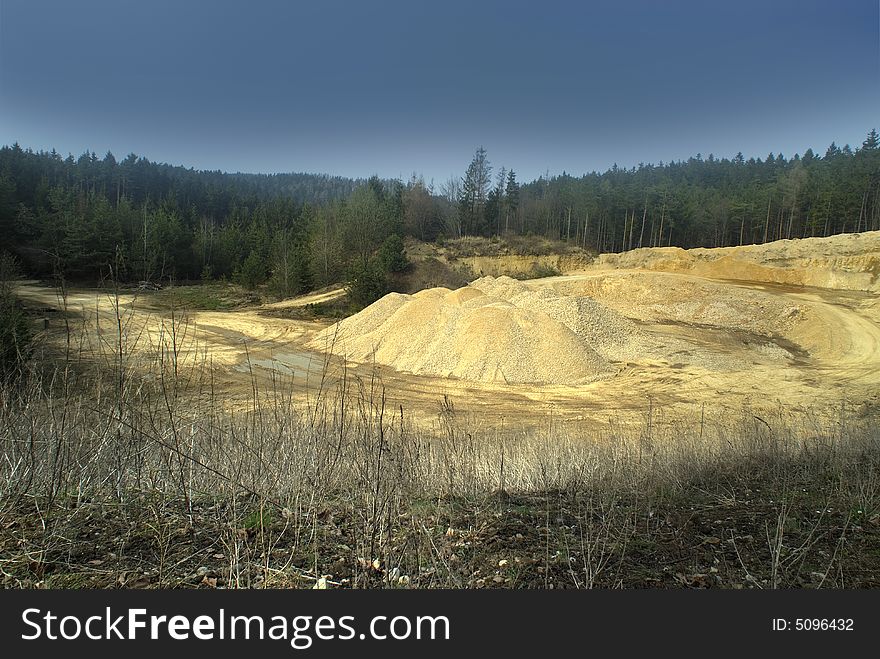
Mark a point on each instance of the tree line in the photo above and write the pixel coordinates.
(88, 218)
(700, 202)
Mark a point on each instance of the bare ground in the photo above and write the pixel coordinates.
(755, 532)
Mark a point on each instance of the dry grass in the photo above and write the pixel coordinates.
(509, 245)
(123, 472)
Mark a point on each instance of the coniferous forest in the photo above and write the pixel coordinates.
(88, 218)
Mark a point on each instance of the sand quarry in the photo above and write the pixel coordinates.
(791, 325)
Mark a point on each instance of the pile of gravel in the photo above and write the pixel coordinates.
(494, 330)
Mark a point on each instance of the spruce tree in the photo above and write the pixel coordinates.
(474, 191)
(511, 199)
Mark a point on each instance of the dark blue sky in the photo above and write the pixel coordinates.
(356, 88)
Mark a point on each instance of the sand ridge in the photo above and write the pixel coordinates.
(842, 262)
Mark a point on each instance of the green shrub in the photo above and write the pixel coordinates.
(15, 332)
(392, 254)
(538, 271)
(367, 281)
(252, 271)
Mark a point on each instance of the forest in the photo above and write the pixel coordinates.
(87, 218)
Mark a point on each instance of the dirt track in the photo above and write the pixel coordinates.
(712, 345)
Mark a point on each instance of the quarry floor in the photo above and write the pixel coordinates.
(729, 350)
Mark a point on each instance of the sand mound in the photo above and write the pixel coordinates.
(494, 330)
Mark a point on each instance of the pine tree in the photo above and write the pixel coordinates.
(252, 272)
(832, 152)
(392, 254)
(474, 192)
(872, 141)
(511, 198)
(367, 281)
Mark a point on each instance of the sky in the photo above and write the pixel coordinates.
(395, 87)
